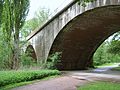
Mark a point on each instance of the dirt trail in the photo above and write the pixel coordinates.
(70, 81)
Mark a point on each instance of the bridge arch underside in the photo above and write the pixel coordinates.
(80, 38)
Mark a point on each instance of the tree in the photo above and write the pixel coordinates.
(99, 56)
(109, 51)
(114, 47)
(114, 44)
(40, 17)
(13, 18)
(1, 9)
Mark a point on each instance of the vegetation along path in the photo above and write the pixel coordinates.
(71, 80)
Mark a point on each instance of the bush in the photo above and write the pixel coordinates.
(10, 77)
(52, 60)
(27, 61)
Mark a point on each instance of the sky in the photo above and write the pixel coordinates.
(49, 4)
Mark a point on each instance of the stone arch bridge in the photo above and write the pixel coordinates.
(77, 32)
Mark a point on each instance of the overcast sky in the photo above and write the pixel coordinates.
(50, 4)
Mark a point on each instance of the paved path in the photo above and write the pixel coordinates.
(105, 68)
(71, 80)
(61, 83)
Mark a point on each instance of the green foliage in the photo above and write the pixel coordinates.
(52, 61)
(10, 77)
(13, 17)
(83, 2)
(1, 9)
(39, 19)
(4, 54)
(102, 56)
(14, 13)
(114, 47)
(101, 86)
(41, 16)
(11, 86)
(116, 68)
(27, 61)
(28, 58)
(108, 52)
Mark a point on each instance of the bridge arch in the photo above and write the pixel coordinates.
(81, 37)
(64, 21)
(31, 53)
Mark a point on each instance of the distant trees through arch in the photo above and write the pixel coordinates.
(30, 52)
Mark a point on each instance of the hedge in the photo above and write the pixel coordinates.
(10, 77)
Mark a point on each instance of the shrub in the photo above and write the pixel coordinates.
(27, 61)
(52, 60)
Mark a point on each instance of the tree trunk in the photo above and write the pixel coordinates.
(16, 51)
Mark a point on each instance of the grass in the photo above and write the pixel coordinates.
(101, 86)
(106, 64)
(12, 77)
(116, 69)
(9, 87)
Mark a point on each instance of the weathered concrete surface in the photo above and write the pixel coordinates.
(81, 37)
(82, 31)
